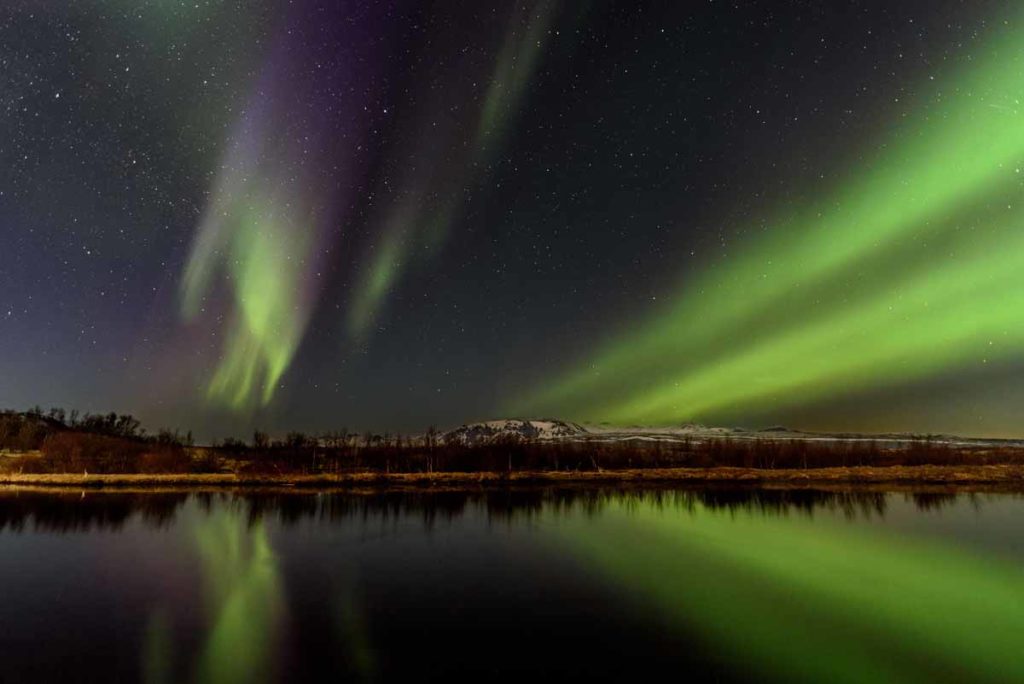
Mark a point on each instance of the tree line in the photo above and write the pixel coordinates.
(26, 431)
(59, 441)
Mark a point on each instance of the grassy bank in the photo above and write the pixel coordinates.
(929, 474)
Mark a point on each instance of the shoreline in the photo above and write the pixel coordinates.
(854, 475)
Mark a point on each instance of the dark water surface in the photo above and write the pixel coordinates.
(541, 584)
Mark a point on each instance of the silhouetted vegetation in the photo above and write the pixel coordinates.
(101, 443)
(63, 442)
(339, 453)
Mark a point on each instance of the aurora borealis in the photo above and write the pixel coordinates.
(267, 225)
(386, 215)
(839, 295)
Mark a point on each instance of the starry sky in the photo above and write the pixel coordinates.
(219, 214)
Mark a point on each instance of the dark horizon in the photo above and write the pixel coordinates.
(74, 419)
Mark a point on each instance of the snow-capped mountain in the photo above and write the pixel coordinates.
(560, 430)
(492, 430)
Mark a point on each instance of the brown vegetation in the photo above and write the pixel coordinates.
(1005, 475)
(111, 443)
(521, 455)
(102, 443)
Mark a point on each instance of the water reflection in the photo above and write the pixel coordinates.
(724, 583)
(794, 600)
(353, 631)
(73, 511)
(243, 600)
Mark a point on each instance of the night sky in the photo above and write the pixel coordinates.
(384, 215)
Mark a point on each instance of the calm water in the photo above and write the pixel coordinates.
(704, 585)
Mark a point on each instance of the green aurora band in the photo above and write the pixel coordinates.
(910, 269)
(791, 599)
(421, 219)
(272, 217)
(261, 248)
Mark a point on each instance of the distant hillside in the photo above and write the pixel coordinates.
(529, 430)
(550, 430)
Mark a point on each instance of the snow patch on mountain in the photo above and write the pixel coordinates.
(515, 429)
(686, 433)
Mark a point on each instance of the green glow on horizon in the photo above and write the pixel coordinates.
(789, 599)
(963, 313)
(803, 312)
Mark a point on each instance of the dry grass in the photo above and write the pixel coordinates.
(972, 474)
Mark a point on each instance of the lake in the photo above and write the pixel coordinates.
(721, 584)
